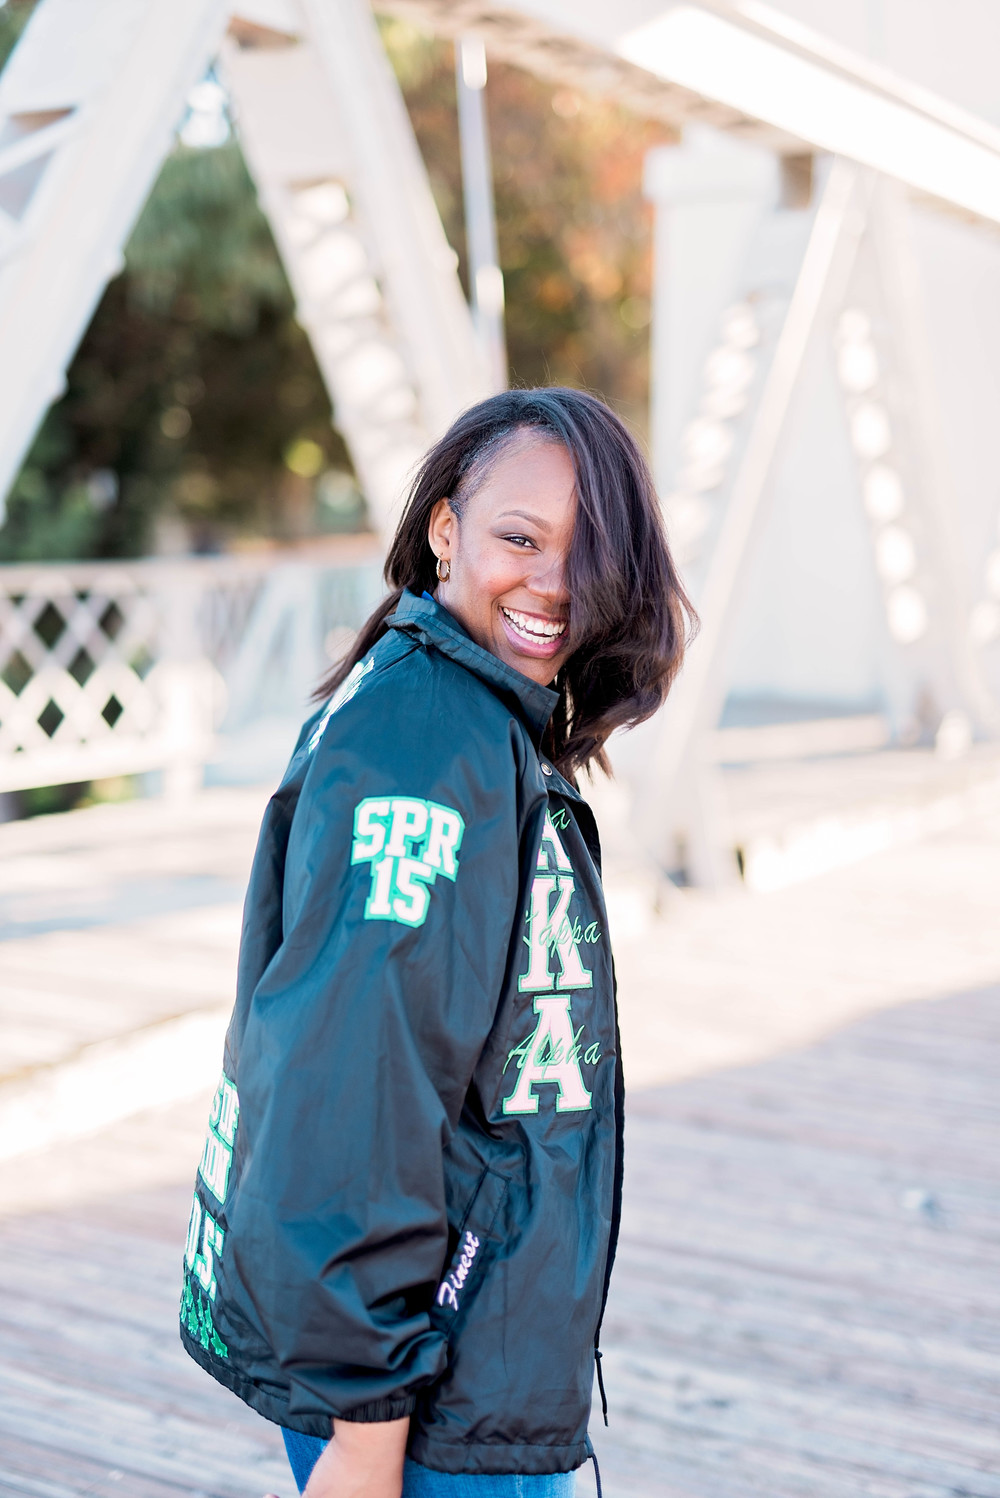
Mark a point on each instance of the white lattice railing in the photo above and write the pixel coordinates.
(114, 668)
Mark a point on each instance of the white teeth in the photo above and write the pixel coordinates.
(533, 629)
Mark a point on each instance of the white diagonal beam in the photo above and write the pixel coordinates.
(695, 701)
(825, 98)
(742, 66)
(346, 193)
(902, 297)
(389, 182)
(124, 68)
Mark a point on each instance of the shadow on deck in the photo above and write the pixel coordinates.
(805, 1303)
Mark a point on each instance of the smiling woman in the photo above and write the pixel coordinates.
(503, 566)
(414, 1159)
(534, 521)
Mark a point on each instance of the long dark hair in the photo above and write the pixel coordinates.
(630, 618)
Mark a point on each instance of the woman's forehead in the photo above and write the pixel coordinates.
(537, 469)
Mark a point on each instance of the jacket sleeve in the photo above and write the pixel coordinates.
(359, 1044)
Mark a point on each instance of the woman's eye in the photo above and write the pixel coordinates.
(521, 541)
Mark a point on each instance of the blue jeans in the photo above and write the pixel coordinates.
(421, 1482)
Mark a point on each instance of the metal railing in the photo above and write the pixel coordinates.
(115, 668)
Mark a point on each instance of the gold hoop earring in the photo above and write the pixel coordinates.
(443, 569)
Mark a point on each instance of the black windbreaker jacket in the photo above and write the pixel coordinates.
(408, 1197)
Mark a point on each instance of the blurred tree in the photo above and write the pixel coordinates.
(194, 412)
(13, 19)
(190, 387)
(574, 230)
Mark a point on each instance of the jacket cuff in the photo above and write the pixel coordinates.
(380, 1410)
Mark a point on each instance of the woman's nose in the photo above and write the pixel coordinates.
(549, 581)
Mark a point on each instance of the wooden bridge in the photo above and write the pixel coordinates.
(807, 1294)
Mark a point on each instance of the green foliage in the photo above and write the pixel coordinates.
(45, 800)
(191, 383)
(48, 514)
(203, 239)
(14, 16)
(574, 231)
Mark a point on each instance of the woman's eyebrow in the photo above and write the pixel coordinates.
(543, 525)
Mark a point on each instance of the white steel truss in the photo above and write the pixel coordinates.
(88, 105)
(720, 504)
(885, 369)
(844, 271)
(89, 100)
(747, 69)
(340, 177)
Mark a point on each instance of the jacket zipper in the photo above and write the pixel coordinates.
(616, 1213)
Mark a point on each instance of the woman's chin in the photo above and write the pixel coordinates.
(542, 670)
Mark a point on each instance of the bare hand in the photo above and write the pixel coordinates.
(362, 1461)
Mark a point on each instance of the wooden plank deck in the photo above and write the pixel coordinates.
(808, 1292)
(806, 1299)
(806, 1303)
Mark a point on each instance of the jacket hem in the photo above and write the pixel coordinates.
(496, 1459)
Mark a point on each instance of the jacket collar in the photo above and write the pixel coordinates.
(431, 622)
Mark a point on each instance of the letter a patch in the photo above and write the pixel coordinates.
(550, 1054)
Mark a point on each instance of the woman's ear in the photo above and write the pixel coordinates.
(441, 529)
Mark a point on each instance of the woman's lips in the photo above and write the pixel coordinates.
(532, 634)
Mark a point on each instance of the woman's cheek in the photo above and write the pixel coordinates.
(501, 573)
